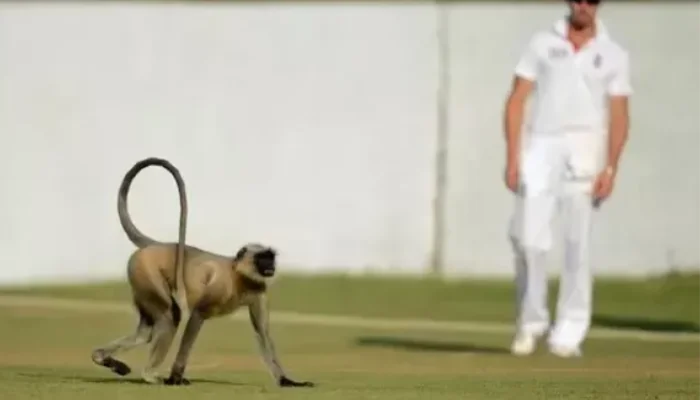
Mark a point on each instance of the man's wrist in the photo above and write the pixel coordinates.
(512, 160)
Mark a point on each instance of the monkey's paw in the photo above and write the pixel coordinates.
(113, 364)
(176, 380)
(286, 382)
(117, 366)
(150, 376)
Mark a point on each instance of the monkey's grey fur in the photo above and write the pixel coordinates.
(171, 279)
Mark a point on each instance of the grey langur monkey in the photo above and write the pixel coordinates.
(168, 280)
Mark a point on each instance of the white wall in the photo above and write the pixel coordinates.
(290, 124)
(311, 127)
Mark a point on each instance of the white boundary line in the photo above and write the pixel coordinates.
(284, 317)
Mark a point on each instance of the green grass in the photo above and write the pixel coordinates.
(664, 303)
(44, 352)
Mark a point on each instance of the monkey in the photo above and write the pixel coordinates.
(169, 281)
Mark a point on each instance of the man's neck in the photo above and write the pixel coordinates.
(581, 32)
(579, 35)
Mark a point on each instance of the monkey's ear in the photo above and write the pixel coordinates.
(240, 254)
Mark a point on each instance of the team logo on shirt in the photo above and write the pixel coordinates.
(597, 61)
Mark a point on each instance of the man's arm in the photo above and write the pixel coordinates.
(526, 72)
(513, 119)
(619, 128)
(619, 91)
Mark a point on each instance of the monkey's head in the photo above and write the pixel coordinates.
(256, 261)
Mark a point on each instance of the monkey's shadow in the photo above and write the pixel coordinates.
(426, 345)
(139, 381)
(135, 380)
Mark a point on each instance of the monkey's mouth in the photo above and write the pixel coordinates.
(267, 272)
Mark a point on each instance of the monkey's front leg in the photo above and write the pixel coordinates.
(259, 318)
(194, 325)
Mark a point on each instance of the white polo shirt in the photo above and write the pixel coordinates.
(572, 87)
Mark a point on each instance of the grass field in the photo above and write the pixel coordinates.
(365, 338)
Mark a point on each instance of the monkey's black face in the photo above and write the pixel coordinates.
(264, 262)
(257, 259)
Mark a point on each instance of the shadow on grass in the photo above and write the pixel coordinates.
(426, 345)
(57, 376)
(608, 321)
(139, 381)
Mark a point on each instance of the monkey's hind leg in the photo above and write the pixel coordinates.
(103, 356)
(164, 332)
(194, 325)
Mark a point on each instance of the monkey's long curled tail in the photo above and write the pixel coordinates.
(138, 238)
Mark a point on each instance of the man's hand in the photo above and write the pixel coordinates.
(619, 125)
(512, 176)
(512, 120)
(603, 185)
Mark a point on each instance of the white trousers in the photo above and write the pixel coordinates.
(557, 173)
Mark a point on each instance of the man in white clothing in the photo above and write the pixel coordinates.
(566, 163)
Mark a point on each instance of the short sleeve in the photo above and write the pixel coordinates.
(620, 82)
(528, 66)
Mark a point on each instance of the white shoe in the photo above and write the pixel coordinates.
(524, 344)
(565, 351)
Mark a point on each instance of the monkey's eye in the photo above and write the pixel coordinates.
(267, 255)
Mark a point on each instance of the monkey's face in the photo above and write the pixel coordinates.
(257, 261)
(264, 262)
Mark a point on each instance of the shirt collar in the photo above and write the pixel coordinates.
(561, 27)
